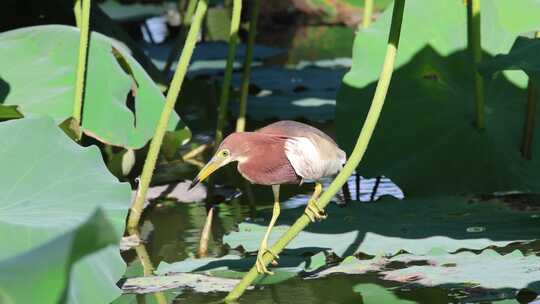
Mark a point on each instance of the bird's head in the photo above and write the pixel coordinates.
(232, 148)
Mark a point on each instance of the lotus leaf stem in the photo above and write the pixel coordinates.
(186, 22)
(190, 10)
(368, 11)
(84, 20)
(225, 89)
(148, 269)
(528, 128)
(246, 74)
(354, 159)
(161, 128)
(530, 110)
(77, 12)
(475, 47)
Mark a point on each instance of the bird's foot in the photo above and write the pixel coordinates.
(260, 265)
(314, 212)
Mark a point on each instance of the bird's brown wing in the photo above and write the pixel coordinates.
(267, 163)
(291, 128)
(312, 153)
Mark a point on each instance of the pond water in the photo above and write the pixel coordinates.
(336, 289)
(173, 231)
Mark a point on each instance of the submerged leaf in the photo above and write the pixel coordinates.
(372, 293)
(390, 226)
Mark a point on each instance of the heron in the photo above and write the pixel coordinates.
(284, 152)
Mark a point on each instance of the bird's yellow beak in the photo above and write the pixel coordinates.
(206, 171)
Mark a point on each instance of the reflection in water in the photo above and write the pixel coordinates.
(205, 235)
(148, 270)
(342, 289)
(177, 229)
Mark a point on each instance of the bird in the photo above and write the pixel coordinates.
(284, 152)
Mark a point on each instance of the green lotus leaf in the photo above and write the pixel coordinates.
(50, 186)
(49, 266)
(488, 269)
(425, 140)
(122, 104)
(496, 276)
(523, 56)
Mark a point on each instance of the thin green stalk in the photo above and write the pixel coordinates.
(530, 110)
(224, 98)
(246, 76)
(368, 11)
(475, 47)
(172, 96)
(190, 10)
(82, 61)
(77, 8)
(186, 22)
(356, 156)
(528, 128)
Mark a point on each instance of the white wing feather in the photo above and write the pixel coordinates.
(306, 160)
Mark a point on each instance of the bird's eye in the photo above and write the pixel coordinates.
(225, 153)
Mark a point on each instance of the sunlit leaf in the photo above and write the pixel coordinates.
(425, 140)
(121, 105)
(49, 186)
(487, 269)
(49, 266)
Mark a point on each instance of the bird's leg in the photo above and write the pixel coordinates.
(313, 211)
(261, 267)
